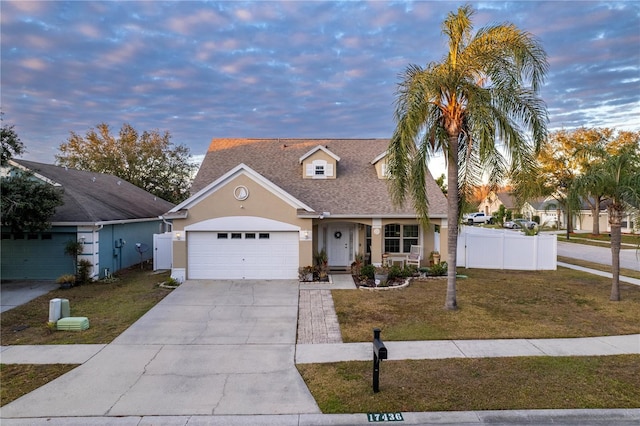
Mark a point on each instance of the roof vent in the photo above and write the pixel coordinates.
(93, 179)
(119, 182)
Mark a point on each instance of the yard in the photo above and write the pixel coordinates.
(493, 304)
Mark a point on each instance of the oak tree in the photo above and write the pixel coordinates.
(148, 160)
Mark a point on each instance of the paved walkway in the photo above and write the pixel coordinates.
(622, 278)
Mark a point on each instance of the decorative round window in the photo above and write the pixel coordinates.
(338, 234)
(241, 193)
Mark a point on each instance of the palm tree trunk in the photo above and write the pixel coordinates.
(615, 220)
(452, 221)
(595, 214)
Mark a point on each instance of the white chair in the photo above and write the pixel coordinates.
(415, 256)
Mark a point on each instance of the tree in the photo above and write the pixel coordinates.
(569, 153)
(483, 91)
(27, 203)
(11, 144)
(618, 177)
(149, 161)
(442, 183)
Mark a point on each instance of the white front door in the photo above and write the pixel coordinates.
(338, 244)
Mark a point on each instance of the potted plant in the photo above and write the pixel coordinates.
(434, 258)
(382, 275)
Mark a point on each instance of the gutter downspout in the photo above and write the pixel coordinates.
(169, 224)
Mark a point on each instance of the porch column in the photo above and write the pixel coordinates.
(377, 238)
(444, 241)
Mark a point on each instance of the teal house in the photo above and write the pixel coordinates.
(114, 220)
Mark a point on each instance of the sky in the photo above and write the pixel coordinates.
(289, 69)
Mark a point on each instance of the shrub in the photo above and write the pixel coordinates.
(84, 271)
(395, 272)
(438, 269)
(172, 282)
(66, 279)
(368, 271)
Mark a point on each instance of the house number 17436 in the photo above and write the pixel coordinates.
(385, 417)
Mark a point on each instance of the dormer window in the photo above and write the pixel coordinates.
(319, 169)
(380, 163)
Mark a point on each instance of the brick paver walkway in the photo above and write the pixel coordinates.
(317, 319)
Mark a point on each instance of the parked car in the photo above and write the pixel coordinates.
(478, 217)
(520, 223)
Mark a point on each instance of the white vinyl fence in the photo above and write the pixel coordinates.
(505, 249)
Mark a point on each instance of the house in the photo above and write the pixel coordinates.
(492, 202)
(261, 208)
(548, 209)
(114, 220)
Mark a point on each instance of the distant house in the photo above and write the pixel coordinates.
(548, 209)
(261, 208)
(113, 219)
(492, 202)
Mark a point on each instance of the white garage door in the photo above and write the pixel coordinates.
(242, 254)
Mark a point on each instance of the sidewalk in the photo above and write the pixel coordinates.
(622, 278)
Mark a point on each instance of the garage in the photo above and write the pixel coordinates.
(35, 256)
(242, 248)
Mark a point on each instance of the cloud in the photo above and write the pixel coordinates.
(276, 69)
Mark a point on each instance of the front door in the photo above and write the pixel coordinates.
(338, 244)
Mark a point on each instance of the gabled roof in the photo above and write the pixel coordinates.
(319, 148)
(507, 199)
(356, 191)
(241, 169)
(97, 197)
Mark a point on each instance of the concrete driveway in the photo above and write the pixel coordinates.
(210, 347)
(16, 293)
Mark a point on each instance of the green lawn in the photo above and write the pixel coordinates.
(492, 304)
(477, 384)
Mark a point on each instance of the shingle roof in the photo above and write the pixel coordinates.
(356, 190)
(507, 199)
(97, 197)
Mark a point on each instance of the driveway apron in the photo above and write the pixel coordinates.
(210, 347)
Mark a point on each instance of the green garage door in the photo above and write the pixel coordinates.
(38, 256)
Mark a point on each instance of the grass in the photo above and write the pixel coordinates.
(477, 384)
(20, 379)
(599, 266)
(492, 304)
(600, 240)
(110, 307)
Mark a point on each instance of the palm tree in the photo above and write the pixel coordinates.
(483, 91)
(618, 178)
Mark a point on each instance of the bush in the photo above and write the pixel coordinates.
(409, 271)
(368, 271)
(438, 269)
(395, 272)
(66, 279)
(84, 271)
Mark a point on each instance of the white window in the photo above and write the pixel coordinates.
(319, 169)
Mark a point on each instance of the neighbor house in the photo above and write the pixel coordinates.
(261, 208)
(547, 209)
(113, 219)
(490, 205)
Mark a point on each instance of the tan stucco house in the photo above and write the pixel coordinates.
(261, 208)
